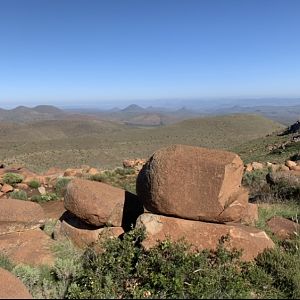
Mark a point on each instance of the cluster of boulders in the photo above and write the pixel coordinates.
(289, 165)
(96, 210)
(195, 194)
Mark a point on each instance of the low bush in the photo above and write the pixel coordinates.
(34, 184)
(60, 185)
(124, 171)
(21, 195)
(5, 263)
(44, 198)
(12, 178)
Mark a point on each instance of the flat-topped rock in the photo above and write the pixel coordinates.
(192, 183)
(19, 215)
(203, 235)
(100, 204)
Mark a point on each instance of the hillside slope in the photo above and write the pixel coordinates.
(70, 142)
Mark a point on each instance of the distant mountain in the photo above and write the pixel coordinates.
(48, 109)
(283, 114)
(133, 108)
(23, 114)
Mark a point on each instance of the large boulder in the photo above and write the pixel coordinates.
(203, 235)
(32, 247)
(192, 183)
(11, 287)
(19, 215)
(100, 204)
(82, 234)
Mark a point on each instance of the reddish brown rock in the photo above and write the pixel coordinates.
(248, 168)
(250, 215)
(11, 287)
(283, 228)
(100, 204)
(6, 188)
(295, 168)
(203, 235)
(290, 163)
(236, 210)
(93, 171)
(257, 166)
(32, 247)
(73, 172)
(190, 182)
(82, 234)
(53, 209)
(19, 215)
(22, 186)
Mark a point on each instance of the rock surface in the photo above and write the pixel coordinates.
(100, 204)
(190, 182)
(82, 234)
(283, 228)
(19, 215)
(204, 235)
(11, 287)
(31, 247)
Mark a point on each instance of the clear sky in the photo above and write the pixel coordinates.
(93, 51)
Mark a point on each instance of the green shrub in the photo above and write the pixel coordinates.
(34, 184)
(283, 265)
(60, 185)
(124, 172)
(12, 178)
(125, 270)
(21, 195)
(5, 263)
(44, 198)
(99, 177)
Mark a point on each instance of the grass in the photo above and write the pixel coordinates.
(71, 143)
(120, 177)
(21, 195)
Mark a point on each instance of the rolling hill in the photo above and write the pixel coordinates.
(101, 143)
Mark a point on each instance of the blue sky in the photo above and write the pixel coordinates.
(93, 52)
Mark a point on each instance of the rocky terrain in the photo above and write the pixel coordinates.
(182, 193)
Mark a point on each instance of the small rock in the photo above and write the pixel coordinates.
(248, 168)
(283, 228)
(42, 190)
(257, 166)
(22, 186)
(290, 163)
(93, 171)
(6, 188)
